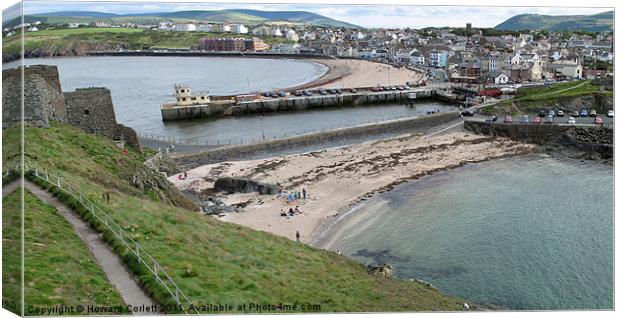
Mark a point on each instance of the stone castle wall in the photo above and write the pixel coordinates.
(43, 98)
(90, 109)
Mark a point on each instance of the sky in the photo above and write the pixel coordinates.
(370, 16)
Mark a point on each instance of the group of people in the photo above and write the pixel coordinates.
(293, 195)
(182, 176)
(291, 212)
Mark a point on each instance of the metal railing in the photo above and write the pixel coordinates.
(130, 244)
(251, 140)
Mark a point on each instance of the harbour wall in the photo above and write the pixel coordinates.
(231, 107)
(190, 160)
(585, 138)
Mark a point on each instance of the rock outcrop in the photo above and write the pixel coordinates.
(243, 185)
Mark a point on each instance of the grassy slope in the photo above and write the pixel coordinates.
(532, 99)
(109, 38)
(226, 263)
(59, 269)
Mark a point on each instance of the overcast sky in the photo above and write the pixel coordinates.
(364, 15)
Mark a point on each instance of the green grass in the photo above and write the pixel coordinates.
(75, 41)
(58, 268)
(229, 264)
(531, 100)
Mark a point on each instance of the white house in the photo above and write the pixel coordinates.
(276, 32)
(570, 69)
(416, 57)
(185, 27)
(240, 29)
(292, 36)
(500, 78)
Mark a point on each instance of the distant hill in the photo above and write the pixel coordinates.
(217, 16)
(591, 23)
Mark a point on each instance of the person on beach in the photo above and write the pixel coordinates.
(297, 235)
(185, 174)
(297, 211)
(303, 191)
(282, 213)
(171, 148)
(291, 212)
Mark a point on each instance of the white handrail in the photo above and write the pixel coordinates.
(132, 246)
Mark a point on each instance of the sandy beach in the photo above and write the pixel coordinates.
(347, 73)
(335, 179)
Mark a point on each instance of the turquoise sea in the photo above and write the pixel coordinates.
(529, 233)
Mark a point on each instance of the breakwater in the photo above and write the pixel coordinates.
(231, 106)
(592, 139)
(190, 160)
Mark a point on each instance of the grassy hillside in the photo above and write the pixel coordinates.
(602, 22)
(246, 16)
(61, 42)
(215, 262)
(59, 269)
(562, 95)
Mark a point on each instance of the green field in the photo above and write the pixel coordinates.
(59, 269)
(215, 262)
(77, 41)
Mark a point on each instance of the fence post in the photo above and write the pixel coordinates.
(81, 198)
(58, 182)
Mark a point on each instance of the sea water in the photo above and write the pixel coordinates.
(521, 233)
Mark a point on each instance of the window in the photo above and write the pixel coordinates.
(193, 98)
(184, 98)
(202, 97)
(86, 112)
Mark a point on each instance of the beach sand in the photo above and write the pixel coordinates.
(347, 73)
(338, 178)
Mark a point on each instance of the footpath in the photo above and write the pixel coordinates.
(106, 258)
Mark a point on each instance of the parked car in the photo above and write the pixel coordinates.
(542, 113)
(467, 113)
(274, 94)
(377, 89)
(525, 119)
(407, 87)
(571, 120)
(593, 113)
(493, 118)
(508, 119)
(322, 91)
(298, 93)
(551, 113)
(610, 113)
(338, 90)
(598, 121)
(536, 120)
(267, 94)
(549, 119)
(353, 90)
(583, 113)
(576, 113)
(282, 94)
(560, 113)
(308, 92)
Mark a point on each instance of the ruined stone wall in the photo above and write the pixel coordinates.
(92, 110)
(43, 98)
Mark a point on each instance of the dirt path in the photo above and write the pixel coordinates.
(107, 259)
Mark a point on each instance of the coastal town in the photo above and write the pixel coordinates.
(461, 55)
(233, 160)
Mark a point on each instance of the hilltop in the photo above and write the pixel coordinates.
(212, 16)
(214, 262)
(601, 22)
